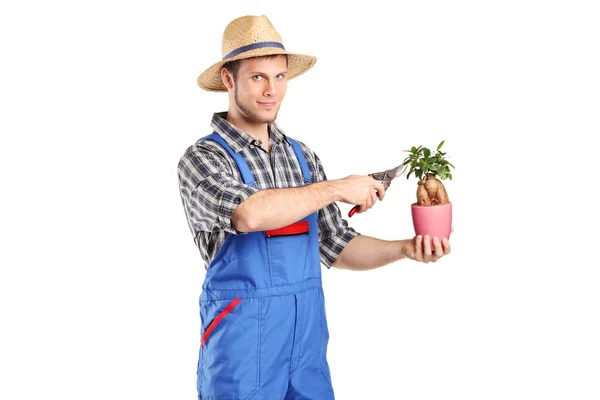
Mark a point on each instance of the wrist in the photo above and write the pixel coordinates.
(336, 189)
(402, 245)
(331, 189)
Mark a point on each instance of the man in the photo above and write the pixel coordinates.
(264, 217)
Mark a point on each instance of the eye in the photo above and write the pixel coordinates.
(257, 77)
(281, 76)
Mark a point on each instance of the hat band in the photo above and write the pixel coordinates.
(253, 46)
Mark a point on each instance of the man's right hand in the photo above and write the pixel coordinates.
(360, 190)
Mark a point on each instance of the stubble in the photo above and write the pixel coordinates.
(250, 116)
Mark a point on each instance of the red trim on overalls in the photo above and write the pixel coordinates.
(218, 319)
(297, 228)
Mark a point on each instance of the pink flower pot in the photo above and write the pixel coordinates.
(432, 220)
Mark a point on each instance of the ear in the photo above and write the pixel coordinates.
(227, 78)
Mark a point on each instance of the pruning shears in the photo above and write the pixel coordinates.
(385, 177)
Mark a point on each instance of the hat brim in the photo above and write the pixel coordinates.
(298, 64)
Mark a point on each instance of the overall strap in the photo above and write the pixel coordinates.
(237, 157)
(301, 160)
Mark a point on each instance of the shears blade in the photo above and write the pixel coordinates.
(386, 177)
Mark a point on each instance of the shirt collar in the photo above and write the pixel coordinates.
(238, 139)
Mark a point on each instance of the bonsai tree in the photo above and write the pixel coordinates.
(431, 168)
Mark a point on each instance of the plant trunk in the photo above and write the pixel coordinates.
(431, 191)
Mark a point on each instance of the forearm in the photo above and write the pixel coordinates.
(275, 208)
(364, 253)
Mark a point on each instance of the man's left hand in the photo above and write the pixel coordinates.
(419, 249)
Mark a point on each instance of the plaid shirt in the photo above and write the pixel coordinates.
(211, 187)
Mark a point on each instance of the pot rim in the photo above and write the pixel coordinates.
(431, 206)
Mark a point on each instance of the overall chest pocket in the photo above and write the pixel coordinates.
(229, 354)
(290, 252)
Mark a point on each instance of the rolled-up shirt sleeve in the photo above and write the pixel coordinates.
(334, 231)
(334, 234)
(210, 191)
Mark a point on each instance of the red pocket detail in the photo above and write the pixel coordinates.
(297, 228)
(218, 319)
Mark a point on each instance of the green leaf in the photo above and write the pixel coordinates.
(422, 161)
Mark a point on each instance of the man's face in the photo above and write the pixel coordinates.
(259, 88)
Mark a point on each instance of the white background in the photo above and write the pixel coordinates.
(100, 277)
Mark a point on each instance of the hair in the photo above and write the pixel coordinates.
(234, 66)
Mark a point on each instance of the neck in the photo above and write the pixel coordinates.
(257, 130)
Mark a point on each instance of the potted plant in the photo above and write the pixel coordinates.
(432, 213)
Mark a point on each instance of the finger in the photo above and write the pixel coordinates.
(446, 245)
(426, 245)
(368, 202)
(419, 248)
(380, 190)
(426, 248)
(373, 198)
(437, 247)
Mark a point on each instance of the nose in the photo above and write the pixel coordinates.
(270, 88)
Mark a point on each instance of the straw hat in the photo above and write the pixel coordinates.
(251, 36)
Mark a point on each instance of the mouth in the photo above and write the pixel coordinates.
(267, 104)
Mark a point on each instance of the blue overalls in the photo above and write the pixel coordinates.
(264, 330)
